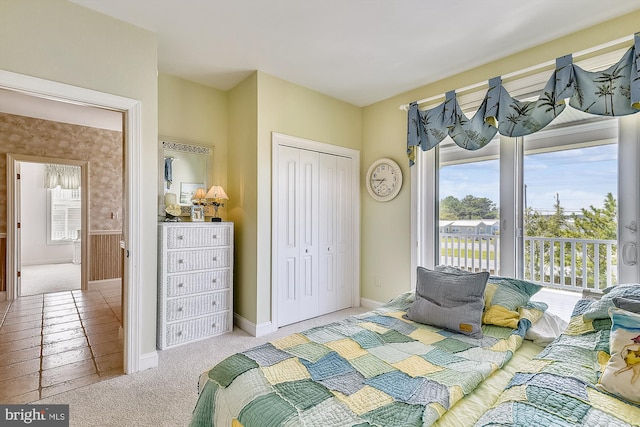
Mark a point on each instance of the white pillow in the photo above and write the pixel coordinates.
(546, 329)
(621, 376)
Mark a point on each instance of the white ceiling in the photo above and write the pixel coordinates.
(359, 51)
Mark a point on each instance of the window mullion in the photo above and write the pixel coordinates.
(511, 206)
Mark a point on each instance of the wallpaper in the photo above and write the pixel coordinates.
(103, 149)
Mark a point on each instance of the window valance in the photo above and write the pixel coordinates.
(66, 176)
(611, 92)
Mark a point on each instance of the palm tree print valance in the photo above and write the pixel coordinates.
(612, 92)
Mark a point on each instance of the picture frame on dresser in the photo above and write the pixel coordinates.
(197, 213)
(195, 282)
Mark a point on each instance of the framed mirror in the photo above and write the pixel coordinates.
(183, 168)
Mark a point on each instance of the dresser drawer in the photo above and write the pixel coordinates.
(197, 305)
(193, 283)
(182, 261)
(190, 330)
(197, 237)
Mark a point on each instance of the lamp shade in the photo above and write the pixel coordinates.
(216, 192)
(199, 194)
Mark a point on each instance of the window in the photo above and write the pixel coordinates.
(64, 215)
(582, 170)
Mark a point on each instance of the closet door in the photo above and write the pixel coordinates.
(298, 235)
(334, 221)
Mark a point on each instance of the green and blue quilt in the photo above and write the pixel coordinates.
(559, 387)
(373, 369)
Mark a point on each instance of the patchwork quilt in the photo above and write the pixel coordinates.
(373, 369)
(558, 387)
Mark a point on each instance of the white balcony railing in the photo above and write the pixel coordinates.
(570, 264)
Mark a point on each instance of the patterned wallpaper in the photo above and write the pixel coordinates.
(103, 149)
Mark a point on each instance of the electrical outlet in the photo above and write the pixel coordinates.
(377, 282)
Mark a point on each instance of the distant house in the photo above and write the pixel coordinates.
(470, 226)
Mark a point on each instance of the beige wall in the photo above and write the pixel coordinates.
(386, 249)
(100, 148)
(60, 41)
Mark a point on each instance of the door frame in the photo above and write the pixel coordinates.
(134, 360)
(278, 139)
(13, 206)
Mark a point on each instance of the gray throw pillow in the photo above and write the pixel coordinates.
(632, 305)
(450, 301)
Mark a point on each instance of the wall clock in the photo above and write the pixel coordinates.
(384, 179)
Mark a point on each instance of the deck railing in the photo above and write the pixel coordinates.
(570, 264)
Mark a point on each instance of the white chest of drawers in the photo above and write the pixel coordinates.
(195, 281)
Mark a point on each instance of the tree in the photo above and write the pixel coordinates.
(449, 208)
(470, 207)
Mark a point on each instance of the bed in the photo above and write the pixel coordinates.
(380, 368)
(587, 376)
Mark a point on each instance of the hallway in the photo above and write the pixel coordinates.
(50, 343)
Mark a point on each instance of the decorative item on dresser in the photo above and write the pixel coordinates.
(195, 281)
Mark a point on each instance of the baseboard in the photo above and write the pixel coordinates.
(3, 296)
(106, 284)
(370, 304)
(250, 327)
(148, 361)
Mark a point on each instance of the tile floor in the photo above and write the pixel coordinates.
(51, 343)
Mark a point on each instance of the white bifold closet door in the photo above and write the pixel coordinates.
(314, 247)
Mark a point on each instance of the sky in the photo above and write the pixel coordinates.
(580, 177)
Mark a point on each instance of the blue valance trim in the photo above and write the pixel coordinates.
(611, 92)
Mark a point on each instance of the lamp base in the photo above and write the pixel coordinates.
(215, 219)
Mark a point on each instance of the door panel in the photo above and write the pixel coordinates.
(344, 264)
(327, 224)
(288, 250)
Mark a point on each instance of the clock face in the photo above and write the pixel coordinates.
(384, 179)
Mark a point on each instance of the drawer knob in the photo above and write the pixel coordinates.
(180, 261)
(179, 308)
(215, 236)
(181, 285)
(214, 281)
(214, 325)
(215, 258)
(179, 333)
(180, 237)
(213, 303)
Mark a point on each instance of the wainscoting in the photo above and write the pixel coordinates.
(106, 255)
(3, 263)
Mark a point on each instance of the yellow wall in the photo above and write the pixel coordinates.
(60, 41)
(191, 112)
(386, 250)
(290, 109)
(243, 193)
(260, 105)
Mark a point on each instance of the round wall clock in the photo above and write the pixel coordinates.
(384, 179)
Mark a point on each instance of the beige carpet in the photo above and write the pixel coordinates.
(47, 278)
(165, 396)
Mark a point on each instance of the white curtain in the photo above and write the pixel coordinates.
(66, 176)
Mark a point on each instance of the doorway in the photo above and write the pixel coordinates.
(51, 228)
(134, 359)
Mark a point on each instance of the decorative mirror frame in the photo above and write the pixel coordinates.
(173, 144)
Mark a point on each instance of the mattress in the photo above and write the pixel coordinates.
(376, 369)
